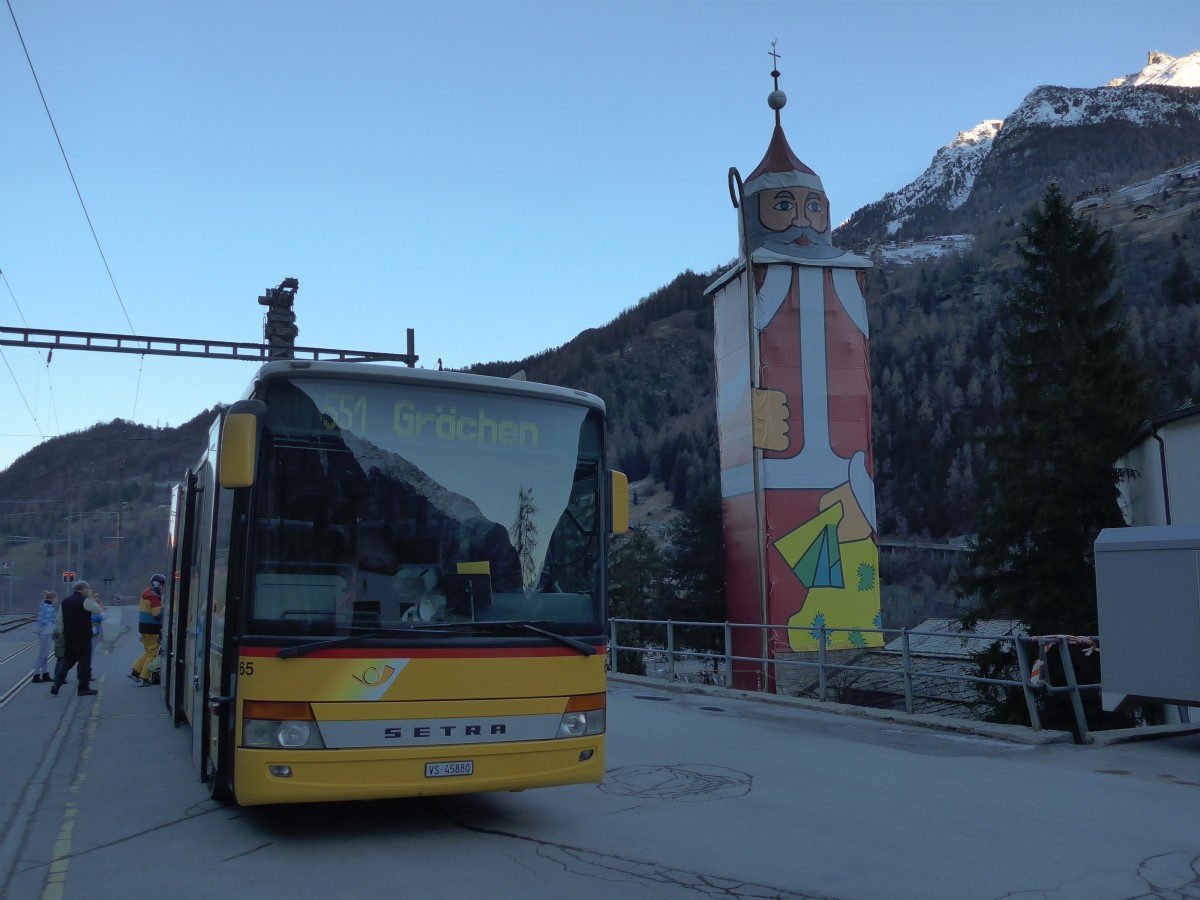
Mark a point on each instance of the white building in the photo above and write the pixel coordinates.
(1165, 453)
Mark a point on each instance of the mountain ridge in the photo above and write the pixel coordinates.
(1161, 68)
(963, 173)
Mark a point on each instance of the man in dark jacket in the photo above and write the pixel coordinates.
(77, 613)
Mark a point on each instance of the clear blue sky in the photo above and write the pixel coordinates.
(497, 176)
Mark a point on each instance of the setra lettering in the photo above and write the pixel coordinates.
(397, 732)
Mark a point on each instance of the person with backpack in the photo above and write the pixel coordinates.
(150, 628)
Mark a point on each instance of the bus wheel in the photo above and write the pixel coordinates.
(219, 788)
(220, 770)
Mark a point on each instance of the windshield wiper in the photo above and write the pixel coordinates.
(440, 629)
(304, 649)
(574, 643)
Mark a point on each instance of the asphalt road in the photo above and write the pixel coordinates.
(709, 794)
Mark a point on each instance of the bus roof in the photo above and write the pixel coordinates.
(398, 374)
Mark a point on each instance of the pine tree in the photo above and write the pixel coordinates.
(523, 535)
(636, 574)
(1074, 396)
(697, 565)
(1180, 286)
(636, 580)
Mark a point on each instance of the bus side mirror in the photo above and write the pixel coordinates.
(239, 444)
(618, 503)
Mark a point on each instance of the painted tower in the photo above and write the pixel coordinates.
(794, 420)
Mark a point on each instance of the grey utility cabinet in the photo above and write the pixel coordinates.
(1148, 600)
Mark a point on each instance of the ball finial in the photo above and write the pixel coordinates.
(777, 99)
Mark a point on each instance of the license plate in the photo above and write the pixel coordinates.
(449, 769)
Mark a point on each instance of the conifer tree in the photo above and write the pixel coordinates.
(1074, 396)
(697, 564)
(636, 576)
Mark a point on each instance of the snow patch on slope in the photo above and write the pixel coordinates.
(949, 179)
(1059, 107)
(950, 176)
(1183, 71)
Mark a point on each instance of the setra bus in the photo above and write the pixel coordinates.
(390, 582)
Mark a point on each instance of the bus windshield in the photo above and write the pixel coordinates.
(381, 507)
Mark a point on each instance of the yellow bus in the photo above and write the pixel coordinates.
(390, 582)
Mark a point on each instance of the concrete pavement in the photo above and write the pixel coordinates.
(709, 793)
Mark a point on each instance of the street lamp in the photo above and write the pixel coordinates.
(70, 502)
(6, 570)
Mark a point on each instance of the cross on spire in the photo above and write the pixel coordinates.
(777, 98)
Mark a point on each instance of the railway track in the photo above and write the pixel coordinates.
(12, 624)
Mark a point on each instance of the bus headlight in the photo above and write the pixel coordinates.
(293, 735)
(270, 725)
(581, 723)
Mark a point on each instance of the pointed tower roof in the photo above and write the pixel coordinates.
(779, 158)
(780, 167)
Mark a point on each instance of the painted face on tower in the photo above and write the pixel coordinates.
(792, 221)
(784, 208)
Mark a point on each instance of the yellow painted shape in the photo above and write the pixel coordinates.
(770, 418)
(854, 525)
(795, 544)
(844, 607)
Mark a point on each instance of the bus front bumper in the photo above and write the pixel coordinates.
(312, 776)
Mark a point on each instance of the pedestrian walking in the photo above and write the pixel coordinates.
(77, 611)
(47, 614)
(150, 628)
(97, 625)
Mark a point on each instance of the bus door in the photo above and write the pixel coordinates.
(176, 681)
(199, 600)
(170, 614)
(222, 614)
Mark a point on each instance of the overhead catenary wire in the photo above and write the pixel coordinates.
(79, 194)
(67, 162)
(22, 393)
(12, 374)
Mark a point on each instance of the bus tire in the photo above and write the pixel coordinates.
(218, 787)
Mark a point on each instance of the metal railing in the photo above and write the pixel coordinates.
(683, 662)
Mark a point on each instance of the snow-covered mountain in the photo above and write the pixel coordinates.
(950, 176)
(1183, 71)
(1131, 128)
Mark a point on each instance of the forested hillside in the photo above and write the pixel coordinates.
(59, 505)
(936, 378)
(653, 367)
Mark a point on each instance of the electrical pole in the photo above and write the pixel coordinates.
(120, 504)
(279, 327)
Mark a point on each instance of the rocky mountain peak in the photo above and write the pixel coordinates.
(1161, 68)
(1131, 128)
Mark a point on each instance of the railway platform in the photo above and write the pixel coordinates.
(108, 760)
(708, 793)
